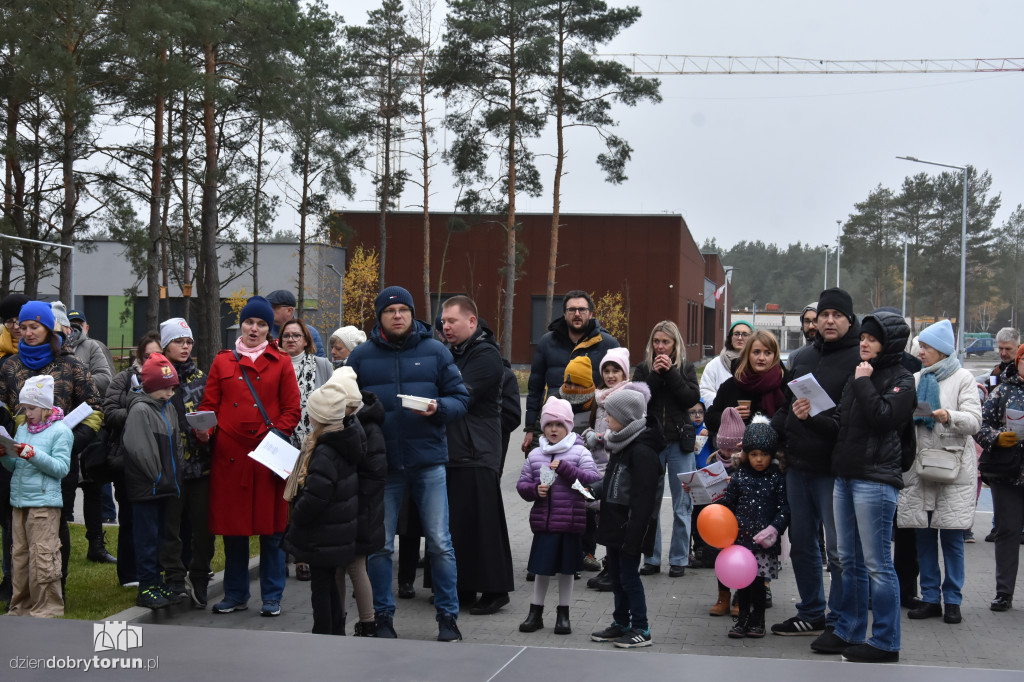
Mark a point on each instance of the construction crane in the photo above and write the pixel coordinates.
(698, 65)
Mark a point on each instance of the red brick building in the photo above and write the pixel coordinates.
(652, 259)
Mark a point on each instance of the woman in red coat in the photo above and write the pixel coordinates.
(246, 498)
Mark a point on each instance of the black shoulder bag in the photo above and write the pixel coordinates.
(259, 403)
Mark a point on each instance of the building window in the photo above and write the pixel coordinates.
(538, 325)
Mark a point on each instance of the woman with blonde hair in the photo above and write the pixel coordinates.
(672, 380)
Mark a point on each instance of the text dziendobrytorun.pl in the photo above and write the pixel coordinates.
(84, 664)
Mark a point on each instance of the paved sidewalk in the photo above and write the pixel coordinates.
(677, 606)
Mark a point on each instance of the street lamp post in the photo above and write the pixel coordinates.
(725, 313)
(839, 249)
(961, 353)
(905, 281)
(69, 247)
(341, 285)
(826, 268)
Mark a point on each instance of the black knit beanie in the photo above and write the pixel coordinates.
(836, 299)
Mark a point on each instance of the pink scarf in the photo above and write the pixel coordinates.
(56, 415)
(602, 394)
(251, 353)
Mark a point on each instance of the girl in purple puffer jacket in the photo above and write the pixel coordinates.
(559, 514)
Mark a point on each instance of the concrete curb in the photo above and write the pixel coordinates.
(139, 614)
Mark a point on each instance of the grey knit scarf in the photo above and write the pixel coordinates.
(616, 441)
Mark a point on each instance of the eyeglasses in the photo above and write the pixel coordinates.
(696, 413)
(290, 337)
(740, 335)
(394, 312)
(577, 311)
(11, 322)
(184, 341)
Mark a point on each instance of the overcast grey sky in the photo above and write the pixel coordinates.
(781, 158)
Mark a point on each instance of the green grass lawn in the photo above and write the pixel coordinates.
(93, 592)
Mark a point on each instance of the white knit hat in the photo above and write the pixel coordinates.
(174, 328)
(38, 392)
(350, 336)
(327, 404)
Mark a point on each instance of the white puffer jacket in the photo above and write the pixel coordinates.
(715, 374)
(952, 505)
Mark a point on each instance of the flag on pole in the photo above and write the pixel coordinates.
(719, 291)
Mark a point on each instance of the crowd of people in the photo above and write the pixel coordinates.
(404, 432)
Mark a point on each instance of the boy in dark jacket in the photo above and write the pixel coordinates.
(632, 485)
(153, 464)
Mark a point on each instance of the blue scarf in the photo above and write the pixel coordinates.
(928, 386)
(35, 357)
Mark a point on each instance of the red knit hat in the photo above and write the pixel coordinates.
(157, 373)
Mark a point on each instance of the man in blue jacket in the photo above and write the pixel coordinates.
(402, 358)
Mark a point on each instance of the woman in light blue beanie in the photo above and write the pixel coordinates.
(941, 511)
(940, 337)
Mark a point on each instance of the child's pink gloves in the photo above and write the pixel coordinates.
(768, 537)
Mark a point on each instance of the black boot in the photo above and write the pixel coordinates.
(534, 621)
(98, 550)
(365, 629)
(602, 582)
(562, 626)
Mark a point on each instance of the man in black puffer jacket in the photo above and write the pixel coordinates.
(877, 405)
(574, 334)
(808, 443)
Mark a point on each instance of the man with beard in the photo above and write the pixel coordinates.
(808, 320)
(809, 442)
(477, 514)
(574, 334)
(400, 357)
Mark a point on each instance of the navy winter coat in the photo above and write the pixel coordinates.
(420, 366)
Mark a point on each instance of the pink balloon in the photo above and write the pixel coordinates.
(736, 567)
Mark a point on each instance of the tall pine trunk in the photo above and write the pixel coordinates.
(426, 194)
(209, 283)
(510, 241)
(556, 202)
(257, 207)
(156, 185)
(303, 209)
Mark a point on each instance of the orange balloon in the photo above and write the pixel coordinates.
(717, 525)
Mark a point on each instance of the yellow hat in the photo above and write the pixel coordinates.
(580, 372)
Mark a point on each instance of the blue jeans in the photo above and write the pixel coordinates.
(236, 568)
(677, 462)
(627, 588)
(928, 540)
(429, 493)
(810, 506)
(864, 513)
(148, 536)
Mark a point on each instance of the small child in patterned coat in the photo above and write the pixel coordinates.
(757, 495)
